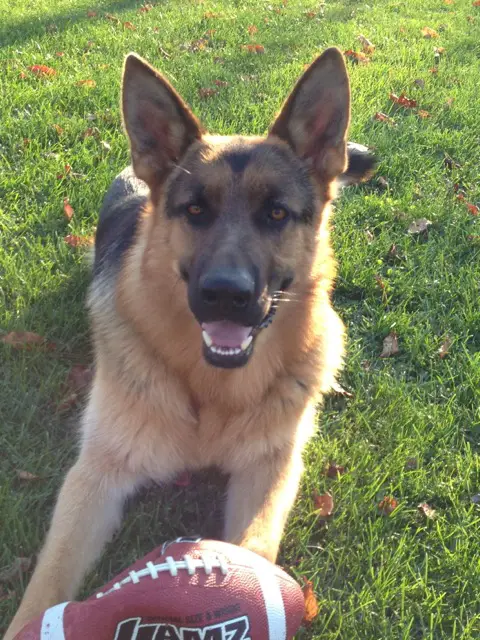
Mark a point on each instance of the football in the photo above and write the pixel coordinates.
(188, 589)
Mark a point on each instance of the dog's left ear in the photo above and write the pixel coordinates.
(314, 119)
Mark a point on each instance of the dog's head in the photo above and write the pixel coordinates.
(241, 214)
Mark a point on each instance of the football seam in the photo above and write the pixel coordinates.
(207, 562)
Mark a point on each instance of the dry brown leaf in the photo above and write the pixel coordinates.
(18, 566)
(382, 117)
(207, 92)
(210, 14)
(253, 48)
(68, 209)
(221, 83)
(390, 346)
(78, 241)
(91, 14)
(146, 8)
(112, 18)
(91, 132)
(439, 50)
(474, 210)
(419, 226)
(323, 504)
(356, 56)
(476, 3)
(334, 470)
(42, 70)
(339, 390)
(22, 339)
(129, 25)
(368, 47)
(387, 505)
(447, 1)
(423, 114)
(310, 14)
(427, 510)
(26, 475)
(252, 29)
(311, 604)
(429, 33)
(403, 101)
(86, 83)
(58, 129)
(445, 347)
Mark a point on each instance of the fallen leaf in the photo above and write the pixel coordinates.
(419, 83)
(369, 235)
(476, 3)
(439, 50)
(382, 117)
(339, 390)
(423, 114)
(390, 346)
(419, 226)
(323, 504)
(447, 1)
(368, 47)
(197, 45)
(59, 54)
(22, 75)
(112, 18)
(449, 102)
(146, 8)
(78, 241)
(311, 604)
(310, 14)
(221, 83)
(206, 92)
(253, 48)
(26, 142)
(67, 209)
(210, 14)
(429, 33)
(252, 29)
(22, 339)
(470, 19)
(79, 377)
(129, 25)
(184, 479)
(427, 510)
(356, 56)
(445, 347)
(86, 83)
(91, 14)
(411, 464)
(334, 470)
(387, 505)
(474, 210)
(58, 129)
(91, 132)
(18, 566)
(105, 145)
(394, 253)
(403, 101)
(26, 475)
(42, 70)
(433, 70)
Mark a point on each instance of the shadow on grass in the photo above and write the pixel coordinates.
(16, 33)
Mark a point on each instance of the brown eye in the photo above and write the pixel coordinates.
(194, 210)
(277, 214)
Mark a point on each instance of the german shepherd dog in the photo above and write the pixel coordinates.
(214, 333)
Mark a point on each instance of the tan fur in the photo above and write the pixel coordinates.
(157, 408)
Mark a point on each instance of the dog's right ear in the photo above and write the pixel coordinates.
(158, 123)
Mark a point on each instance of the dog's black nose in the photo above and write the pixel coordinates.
(228, 291)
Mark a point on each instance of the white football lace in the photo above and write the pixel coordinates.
(207, 562)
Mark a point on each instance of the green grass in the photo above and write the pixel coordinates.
(396, 577)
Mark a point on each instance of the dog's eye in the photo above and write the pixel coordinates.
(278, 214)
(194, 210)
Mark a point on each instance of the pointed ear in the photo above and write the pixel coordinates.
(314, 119)
(158, 123)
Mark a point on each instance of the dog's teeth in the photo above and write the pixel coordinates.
(206, 338)
(214, 349)
(246, 343)
(237, 351)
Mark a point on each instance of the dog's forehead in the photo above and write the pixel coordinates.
(256, 166)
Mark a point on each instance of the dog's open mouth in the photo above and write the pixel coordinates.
(228, 344)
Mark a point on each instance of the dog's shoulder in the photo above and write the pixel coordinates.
(118, 221)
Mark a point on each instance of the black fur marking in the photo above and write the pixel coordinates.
(238, 160)
(116, 231)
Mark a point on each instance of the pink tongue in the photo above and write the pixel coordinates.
(226, 334)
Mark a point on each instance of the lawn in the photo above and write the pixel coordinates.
(408, 432)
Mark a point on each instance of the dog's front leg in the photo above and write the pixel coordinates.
(87, 512)
(260, 497)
